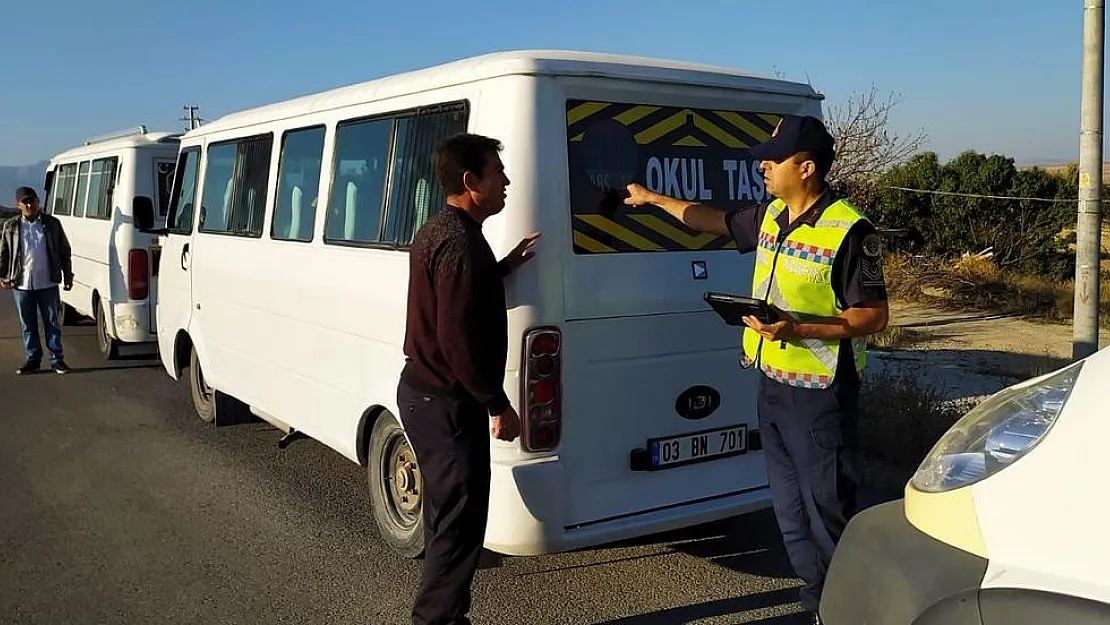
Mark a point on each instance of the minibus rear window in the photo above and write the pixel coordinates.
(694, 154)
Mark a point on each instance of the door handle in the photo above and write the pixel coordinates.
(185, 257)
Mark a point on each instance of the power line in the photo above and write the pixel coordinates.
(986, 197)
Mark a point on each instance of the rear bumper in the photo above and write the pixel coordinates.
(527, 511)
(131, 322)
(885, 570)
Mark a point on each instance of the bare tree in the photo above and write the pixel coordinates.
(865, 144)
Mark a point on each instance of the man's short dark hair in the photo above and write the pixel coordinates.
(459, 154)
(823, 160)
(25, 195)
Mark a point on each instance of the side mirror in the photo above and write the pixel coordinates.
(142, 210)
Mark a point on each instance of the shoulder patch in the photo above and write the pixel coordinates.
(872, 245)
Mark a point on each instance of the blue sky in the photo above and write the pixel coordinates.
(997, 76)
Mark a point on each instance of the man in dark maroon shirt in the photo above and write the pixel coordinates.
(451, 389)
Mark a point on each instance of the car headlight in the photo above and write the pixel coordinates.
(996, 433)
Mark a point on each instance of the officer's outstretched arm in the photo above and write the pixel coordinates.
(696, 216)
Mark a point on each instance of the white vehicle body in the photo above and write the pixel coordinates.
(1004, 522)
(299, 313)
(92, 190)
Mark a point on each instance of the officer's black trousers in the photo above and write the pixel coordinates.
(450, 436)
(808, 440)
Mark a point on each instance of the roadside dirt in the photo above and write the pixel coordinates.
(970, 354)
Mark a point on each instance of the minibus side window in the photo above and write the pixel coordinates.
(82, 190)
(102, 183)
(236, 182)
(414, 193)
(358, 181)
(63, 189)
(184, 193)
(302, 154)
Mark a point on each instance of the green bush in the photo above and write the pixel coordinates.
(1026, 235)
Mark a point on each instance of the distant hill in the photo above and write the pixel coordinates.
(11, 178)
(1059, 167)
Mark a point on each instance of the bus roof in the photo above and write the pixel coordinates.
(132, 138)
(522, 62)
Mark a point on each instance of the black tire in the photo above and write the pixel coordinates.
(203, 396)
(108, 346)
(396, 488)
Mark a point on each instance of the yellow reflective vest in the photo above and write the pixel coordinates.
(795, 275)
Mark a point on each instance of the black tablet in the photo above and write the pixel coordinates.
(733, 308)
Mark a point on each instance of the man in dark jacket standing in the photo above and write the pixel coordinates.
(451, 393)
(34, 260)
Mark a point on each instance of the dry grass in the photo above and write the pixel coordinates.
(978, 283)
(902, 417)
(894, 337)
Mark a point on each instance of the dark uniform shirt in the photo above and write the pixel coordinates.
(456, 335)
(857, 270)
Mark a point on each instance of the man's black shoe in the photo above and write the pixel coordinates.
(30, 367)
(61, 368)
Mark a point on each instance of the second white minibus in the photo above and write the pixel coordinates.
(93, 190)
(284, 281)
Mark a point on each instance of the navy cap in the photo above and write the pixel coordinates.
(795, 134)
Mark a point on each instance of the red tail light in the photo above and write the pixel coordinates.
(138, 272)
(542, 419)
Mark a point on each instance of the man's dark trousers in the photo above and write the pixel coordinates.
(808, 440)
(31, 304)
(450, 435)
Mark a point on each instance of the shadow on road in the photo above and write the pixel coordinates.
(715, 609)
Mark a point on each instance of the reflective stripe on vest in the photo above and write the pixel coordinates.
(795, 275)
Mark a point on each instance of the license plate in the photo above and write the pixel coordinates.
(675, 451)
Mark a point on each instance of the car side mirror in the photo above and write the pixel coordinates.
(142, 210)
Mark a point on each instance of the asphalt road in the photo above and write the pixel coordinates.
(118, 505)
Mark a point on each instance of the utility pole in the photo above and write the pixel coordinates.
(1089, 225)
(191, 116)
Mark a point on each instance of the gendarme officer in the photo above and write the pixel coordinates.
(818, 261)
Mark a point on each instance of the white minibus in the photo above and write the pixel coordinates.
(284, 288)
(93, 190)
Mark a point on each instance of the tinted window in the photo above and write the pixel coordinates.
(165, 186)
(102, 184)
(185, 192)
(235, 187)
(302, 154)
(64, 184)
(82, 190)
(388, 158)
(358, 181)
(414, 193)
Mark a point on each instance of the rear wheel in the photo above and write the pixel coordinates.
(203, 395)
(109, 347)
(396, 488)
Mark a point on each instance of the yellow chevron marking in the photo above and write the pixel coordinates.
(691, 242)
(770, 119)
(591, 244)
(658, 130)
(690, 142)
(635, 114)
(731, 245)
(582, 111)
(742, 123)
(717, 132)
(578, 137)
(611, 227)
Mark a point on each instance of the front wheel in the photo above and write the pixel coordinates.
(396, 488)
